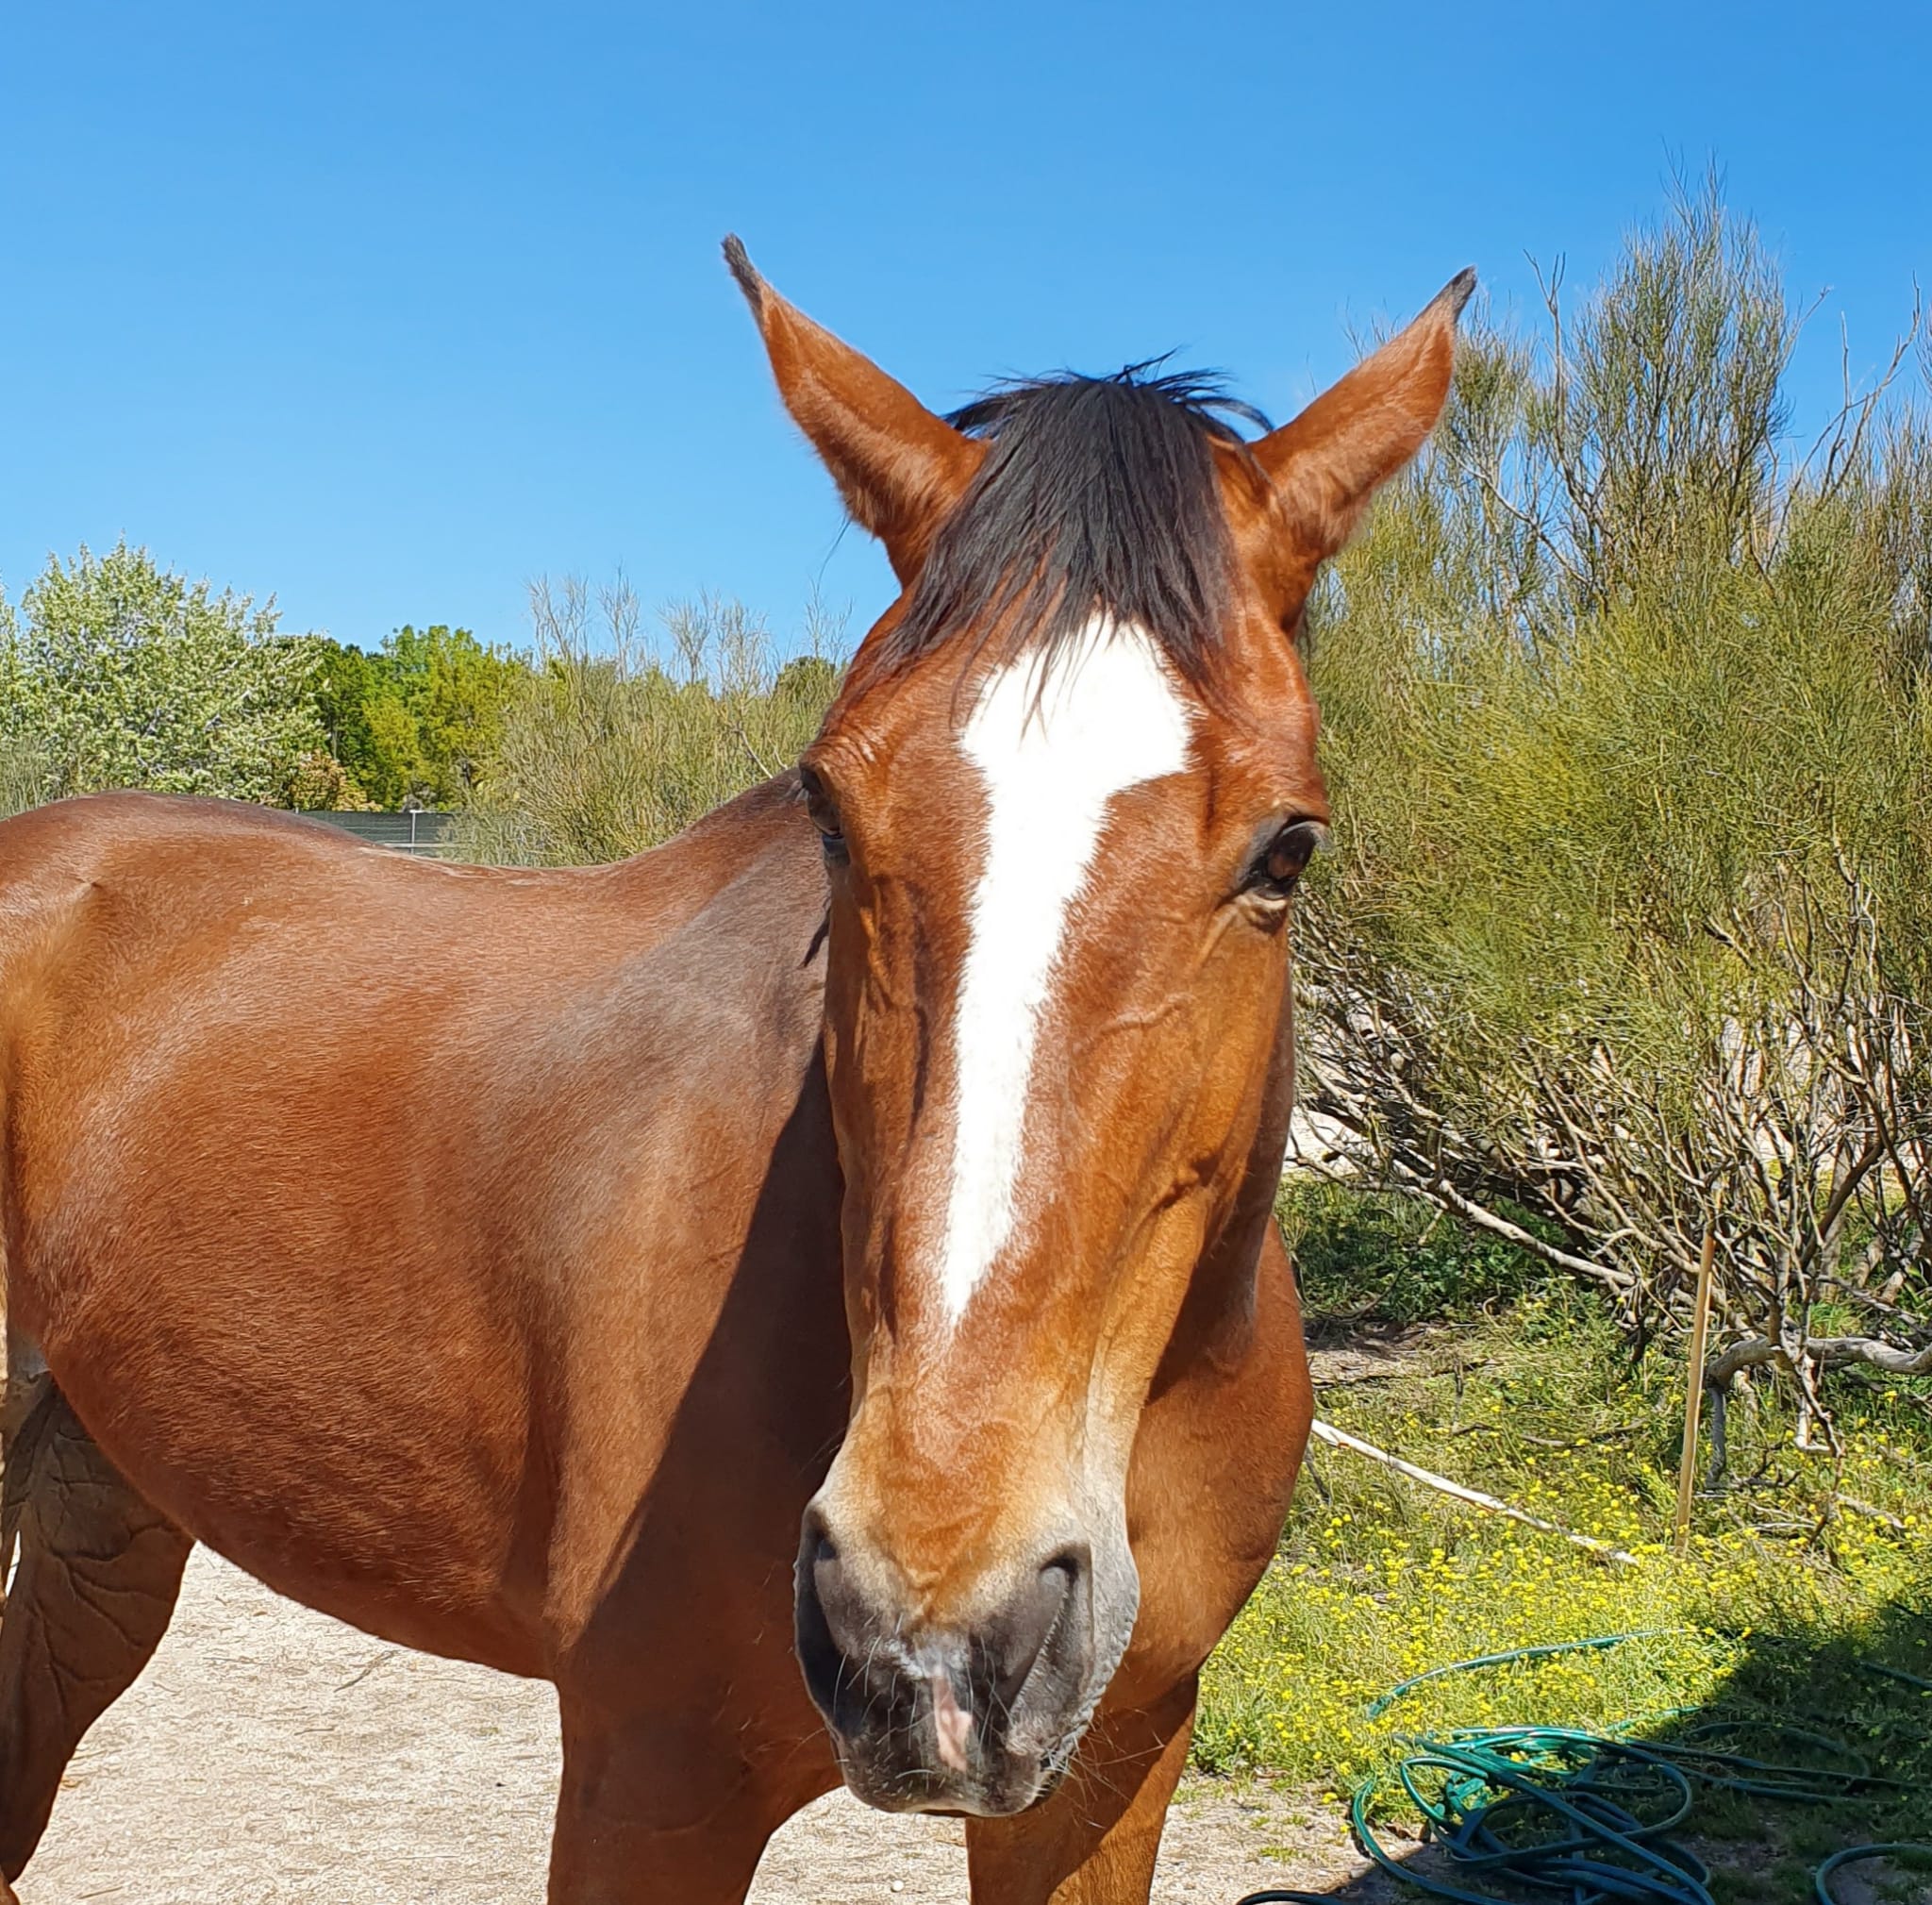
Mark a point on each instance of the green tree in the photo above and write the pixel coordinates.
(420, 719)
(117, 673)
(344, 684)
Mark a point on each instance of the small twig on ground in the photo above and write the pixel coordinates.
(1871, 1513)
(1341, 1438)
(355, 1681)
(1549, 1441)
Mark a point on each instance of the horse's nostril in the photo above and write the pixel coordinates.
(816, 1543)
(821, 1646)
(1069, 1565)
(817, 1572)
(1032, 1632)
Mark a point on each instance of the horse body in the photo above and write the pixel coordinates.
(562, 1342)
(523, 1266)
(423, 1348)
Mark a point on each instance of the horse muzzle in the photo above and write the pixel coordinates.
(978, 1716)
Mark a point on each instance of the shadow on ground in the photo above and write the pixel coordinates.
(1816, 1714)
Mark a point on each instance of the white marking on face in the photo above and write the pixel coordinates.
(1109, 717)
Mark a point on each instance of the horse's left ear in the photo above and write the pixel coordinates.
(1331, 460)
(899, 468)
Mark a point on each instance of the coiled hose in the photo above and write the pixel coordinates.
(1590, 1815)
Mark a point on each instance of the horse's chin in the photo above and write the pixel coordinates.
(998, 1791)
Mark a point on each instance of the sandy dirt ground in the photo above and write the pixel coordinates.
(269, 1755)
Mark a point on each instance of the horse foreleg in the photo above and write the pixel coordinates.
(1095, 1841)
(89, 1600)
(655, 1811)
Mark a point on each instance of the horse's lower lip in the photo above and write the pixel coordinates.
(898, 1789)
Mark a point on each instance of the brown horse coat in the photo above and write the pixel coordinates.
(521, 1341)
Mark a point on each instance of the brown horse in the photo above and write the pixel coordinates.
(514, 1263)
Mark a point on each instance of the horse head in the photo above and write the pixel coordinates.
(1065, 793)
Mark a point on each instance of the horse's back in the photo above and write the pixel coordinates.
(307, 1148)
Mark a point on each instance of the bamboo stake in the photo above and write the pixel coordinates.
(1693, 1400)
(1340, 1438)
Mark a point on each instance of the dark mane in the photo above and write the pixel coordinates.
(1098, 498)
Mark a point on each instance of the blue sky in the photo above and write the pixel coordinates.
(387, 309)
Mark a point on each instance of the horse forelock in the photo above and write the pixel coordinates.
(1099, 499)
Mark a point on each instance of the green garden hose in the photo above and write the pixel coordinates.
(1589, 1816)
(1401, 1689)
(1897, 1674)
(1851, 1856)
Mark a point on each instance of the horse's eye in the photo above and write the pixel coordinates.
(1282, 860)
(824, 811)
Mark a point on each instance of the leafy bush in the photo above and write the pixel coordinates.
(1360, 1255)
(116, 672)
(24, 774)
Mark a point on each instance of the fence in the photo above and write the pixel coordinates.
(411, 832)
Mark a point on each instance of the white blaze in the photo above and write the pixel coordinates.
(1051, 757)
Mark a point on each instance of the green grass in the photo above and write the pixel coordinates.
(1528, 1392)
(1393, 1260)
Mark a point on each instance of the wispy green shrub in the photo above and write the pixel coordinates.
(1628, 720)
(615, 742)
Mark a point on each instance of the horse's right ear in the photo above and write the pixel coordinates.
(899, 468)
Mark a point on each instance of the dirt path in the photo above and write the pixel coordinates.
(270, 1754)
